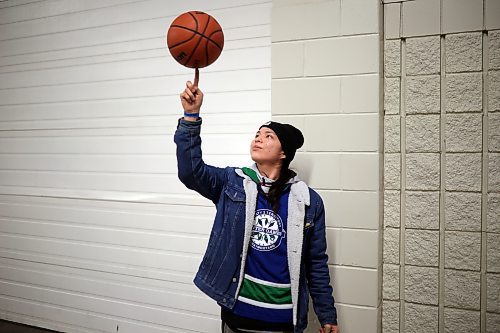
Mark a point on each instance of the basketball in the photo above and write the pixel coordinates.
(195, 39)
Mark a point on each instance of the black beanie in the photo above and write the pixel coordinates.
(290, 137)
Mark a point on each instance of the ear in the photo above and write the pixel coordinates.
(282, 155)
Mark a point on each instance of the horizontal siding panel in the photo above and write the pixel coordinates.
(227, 104)
(110, 290)
(107, 236)
(251, 79)
(136, 28)
(129, 51)
(150, 314)
(107, 254)
(132, 13)
(155, 64)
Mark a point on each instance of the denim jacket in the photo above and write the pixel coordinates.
(234, 194)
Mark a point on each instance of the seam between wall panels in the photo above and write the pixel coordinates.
(442, 189)
(484, 187)
(402, 219)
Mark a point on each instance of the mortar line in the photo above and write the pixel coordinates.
(442, 186)
(484, 185)
(402, 217)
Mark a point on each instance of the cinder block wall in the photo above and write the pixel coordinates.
(441, 251)
(325, 80)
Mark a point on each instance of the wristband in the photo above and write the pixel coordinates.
(193, 115)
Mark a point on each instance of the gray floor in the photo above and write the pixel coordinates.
(10, 327)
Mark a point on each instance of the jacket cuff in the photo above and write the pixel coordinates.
(189, 125)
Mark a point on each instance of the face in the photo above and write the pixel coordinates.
(266, 147)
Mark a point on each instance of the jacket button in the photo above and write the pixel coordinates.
(223, 300)
(234, 279)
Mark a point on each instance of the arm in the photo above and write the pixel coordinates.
(192, 170)
(318, 275)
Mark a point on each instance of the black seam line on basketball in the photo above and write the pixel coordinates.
(192, 52)
(199, 41)
(180, 43)
(196, 32)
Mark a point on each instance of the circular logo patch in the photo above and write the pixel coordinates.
(267, 231)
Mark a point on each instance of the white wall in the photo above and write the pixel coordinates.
(94, 230)
(325, 79)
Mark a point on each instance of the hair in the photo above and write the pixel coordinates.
(279, 185)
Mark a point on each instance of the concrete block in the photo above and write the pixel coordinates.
(392, 209)
(493, 252)
(340, 132)
(457, 321)
(464, 132)
(462, 289)
(392, 171)
(305, 20)
(390, 317)
(391, 282)
(494, 132)
(421, 318)
(462, 250)
(494, 173)
(423, 94)
(462, 211)
(342, 55)
(350, 88)
(392, 134)
(351, 314)
(492, 322)
(493, 213)
(464, 92)
(421, 285)
(351, 254)
(287, 60)
(462, 15)
(320, 171)
(464, 52)
(342, 209)
(355, 285)
(493, 49)
(422, 248)
(423, 55)
(422, 210)
(293, 96)
(422, 171)
(392, 54)
(359, 171)
(463, 172)
(421, 18)
(391, 246)
(493, 292)
(494, 91)
(423, 133)
(392, 96)
(392, 20)
(359, 17)
(492, 13)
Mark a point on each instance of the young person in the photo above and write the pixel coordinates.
(267, 249)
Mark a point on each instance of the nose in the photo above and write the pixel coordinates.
(258, 139)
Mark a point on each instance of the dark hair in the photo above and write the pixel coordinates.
(279, 185)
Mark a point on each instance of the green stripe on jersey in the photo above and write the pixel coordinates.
(265, 294)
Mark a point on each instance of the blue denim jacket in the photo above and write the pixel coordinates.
(219, 273)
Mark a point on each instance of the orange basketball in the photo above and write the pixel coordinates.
(195, 39)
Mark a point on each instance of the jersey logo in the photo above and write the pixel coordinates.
(267, 232)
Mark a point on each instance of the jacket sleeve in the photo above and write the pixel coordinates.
(205, 179)
(318, 275)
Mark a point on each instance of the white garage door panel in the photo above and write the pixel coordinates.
(156, 64)
(108, 254)
(232, 17)
(251, 79)
(226, 102)
(97, 234)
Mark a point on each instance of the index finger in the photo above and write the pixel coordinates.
(196, 77)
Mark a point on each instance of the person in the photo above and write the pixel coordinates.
(267, 249)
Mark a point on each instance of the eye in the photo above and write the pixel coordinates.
(269, 136)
